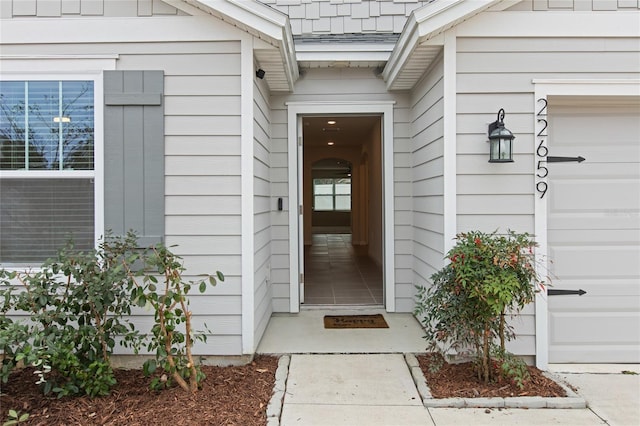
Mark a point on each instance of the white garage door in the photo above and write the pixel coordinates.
(594, 231)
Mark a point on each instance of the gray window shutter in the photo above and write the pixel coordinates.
(134, 154)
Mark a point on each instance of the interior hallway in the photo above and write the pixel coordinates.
(338, 273)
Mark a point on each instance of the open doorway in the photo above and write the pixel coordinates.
(343, 210)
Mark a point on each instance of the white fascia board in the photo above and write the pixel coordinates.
(271, 23)
(253, 14)
(436, 17)
(553, 24)
(288, 52)
(405, 46)
(428, 22)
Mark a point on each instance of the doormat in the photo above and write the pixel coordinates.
(355, 321)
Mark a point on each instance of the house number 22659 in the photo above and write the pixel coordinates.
(541, 149)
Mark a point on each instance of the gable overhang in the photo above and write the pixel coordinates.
(275, 53)
(421, 40)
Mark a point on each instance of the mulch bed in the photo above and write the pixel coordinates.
(229, 396)
(461, 381)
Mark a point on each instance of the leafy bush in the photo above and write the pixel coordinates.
(172, 347)
(487, 277)
(76, 305)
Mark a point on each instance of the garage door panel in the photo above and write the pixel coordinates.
(583, 126)
(604, 236)
(593, 232)
(587, 170)
(586, 353)
(593, 302)
(617, 328)
(614, 219)
(595, 261)
(594, 195)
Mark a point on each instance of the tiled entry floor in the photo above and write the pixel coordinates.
(338, 273)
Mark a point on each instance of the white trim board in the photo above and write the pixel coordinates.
(543, 89)
(297, 109)
(450, 212)
(247, 224)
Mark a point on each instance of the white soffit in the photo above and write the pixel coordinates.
(262, 22)
(420, 42)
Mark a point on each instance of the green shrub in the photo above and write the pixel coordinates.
(488, 276)
(77, 306)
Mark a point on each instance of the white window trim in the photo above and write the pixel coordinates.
(543, 88)
(98, 171)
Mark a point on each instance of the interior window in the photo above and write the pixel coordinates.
(332, 194)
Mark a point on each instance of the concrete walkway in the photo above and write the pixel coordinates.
(377, 389)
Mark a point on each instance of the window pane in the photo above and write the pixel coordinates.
(43, 105)
(42, 215)
(343, 186)
(323, 186)
(12, 125)
(57, 123)
(77, 124)
(343, 202)
(323, 202)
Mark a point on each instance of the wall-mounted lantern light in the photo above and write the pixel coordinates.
(260, 73)
(500, 141)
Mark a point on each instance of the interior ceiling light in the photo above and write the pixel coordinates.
(332, 122)
(330, 143)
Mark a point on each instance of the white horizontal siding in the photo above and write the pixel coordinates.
(496, 73)
(263, 306)
(202, 168)
(202, 163)
(207, 145)
(427, 133)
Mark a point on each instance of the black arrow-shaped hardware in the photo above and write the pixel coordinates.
(556, 292)
(551, 159)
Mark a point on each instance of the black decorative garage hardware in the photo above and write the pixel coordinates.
(558, 292)
(551, 159)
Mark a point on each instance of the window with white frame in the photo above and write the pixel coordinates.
(47, 168)
(332, 194)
